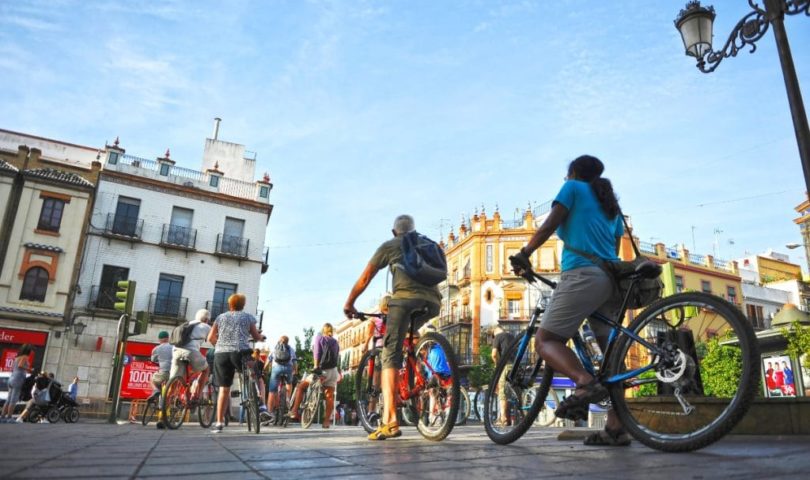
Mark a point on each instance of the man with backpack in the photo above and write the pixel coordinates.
(187, 340)
(281, 361)
(417, 265)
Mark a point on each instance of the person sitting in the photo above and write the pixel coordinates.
(325, 353)
(190, 353)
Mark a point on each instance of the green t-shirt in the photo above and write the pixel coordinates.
(388, 255)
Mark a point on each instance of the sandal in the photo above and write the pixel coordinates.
(609, 438)
(575, 407)
(389, 430)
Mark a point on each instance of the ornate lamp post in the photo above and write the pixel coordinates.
(694, 23)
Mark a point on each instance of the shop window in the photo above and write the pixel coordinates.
(50, 217)
(35, 285)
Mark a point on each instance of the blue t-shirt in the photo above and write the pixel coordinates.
(586, 227)
(438, 362)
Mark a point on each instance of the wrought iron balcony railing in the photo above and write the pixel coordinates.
(168, 306)
(123, 226)
(175, 236)
(216, 308)
(232, 246)
(102, 297)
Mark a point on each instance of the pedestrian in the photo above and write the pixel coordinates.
(585, 214)
(325, 355)
(162, 355)
(231, 334)
(500, 346)
(20, 368)
(411, 302)
(73, 389)
(375, 332)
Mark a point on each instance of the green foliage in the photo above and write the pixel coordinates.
(303, 351)
(480, 375)
(720, 369)
(798, 342)
(345, 389)
(647, 389)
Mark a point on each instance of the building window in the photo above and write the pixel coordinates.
(489, 258)
(213, 181)
(126, 216)
(488, 295)
(164, 169)
(678, 284)
(167, 300)
(514, 308)
(756, 315)
(113, 158)
(705, 286)
(732, 294)
(35, 285)
(180, 232)
(50, 218)
(263, 192)
(222, 291)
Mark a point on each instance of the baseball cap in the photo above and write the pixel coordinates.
(163, 334)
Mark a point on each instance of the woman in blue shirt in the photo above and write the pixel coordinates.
(586, 217)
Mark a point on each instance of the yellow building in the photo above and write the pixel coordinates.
(350, 334)
(803, 209)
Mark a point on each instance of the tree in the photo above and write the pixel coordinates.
(345, 389)
(480, 375)
(798, 342)
(303, 352)
(721, 369)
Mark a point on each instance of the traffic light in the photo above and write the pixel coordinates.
(125, 296)
(141, 323)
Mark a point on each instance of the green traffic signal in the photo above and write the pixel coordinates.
(125, 295)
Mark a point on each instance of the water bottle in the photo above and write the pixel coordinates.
(591, 345)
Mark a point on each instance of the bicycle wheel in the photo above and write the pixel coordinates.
(702, 382)
(440, 399)
(150, 410)
(175, 403)
(369, 402)
(207, 409)
(252, 412)
(507, 413)
(72, 415)
(310, 409)
(463, 406)
(281, 415)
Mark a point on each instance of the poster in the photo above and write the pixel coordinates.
(780, 380)
(136, 380)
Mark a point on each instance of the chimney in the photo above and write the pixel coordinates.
(216, 127)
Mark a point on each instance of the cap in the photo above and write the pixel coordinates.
(163, 334)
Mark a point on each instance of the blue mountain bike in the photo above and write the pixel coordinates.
(680, 376)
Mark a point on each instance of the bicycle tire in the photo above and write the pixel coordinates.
(463, 407)
(175, 403)
(365, 391)
(253, 405)
(706, 310)
(52, 415)
(313, 398)
(149, 411)
(281, 415)
(207, 409)
(546, 417)
(72, 415)
(427, 431)
(524, 414)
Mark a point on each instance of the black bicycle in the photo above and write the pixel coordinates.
(249, 394)
(680, 377)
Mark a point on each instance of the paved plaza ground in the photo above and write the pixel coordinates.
(98, 450)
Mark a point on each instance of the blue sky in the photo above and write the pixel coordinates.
(362, 110)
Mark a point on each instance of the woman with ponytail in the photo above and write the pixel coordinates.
(586, 217)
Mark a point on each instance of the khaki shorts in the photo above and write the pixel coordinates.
(396, 328)
(580, 292)
(502, 382)
(192, 357)
(158, 378)
(330, 377)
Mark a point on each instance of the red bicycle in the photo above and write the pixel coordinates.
(424, 398)
(179, 400)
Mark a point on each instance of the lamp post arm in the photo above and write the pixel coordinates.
(748, 31)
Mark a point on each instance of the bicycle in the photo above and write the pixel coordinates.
(151, 407)
(663, 391)
(179, 399)
(281, 419)
(312, 401)
(415, 394)
(249, 394)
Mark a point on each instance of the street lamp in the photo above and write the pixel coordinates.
(78, 329)
(694, 23)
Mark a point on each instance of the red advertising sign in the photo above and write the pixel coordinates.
(7, 360)
(20, 337)
(136, 381)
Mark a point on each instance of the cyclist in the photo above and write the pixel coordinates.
(281, 361)
(586, 216)
(230, 334)
(325, 355)
(162, 355)
(409, 299)
(190, 352)
(374, 340)
(500, 345)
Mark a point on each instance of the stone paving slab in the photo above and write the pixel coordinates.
(96, 450)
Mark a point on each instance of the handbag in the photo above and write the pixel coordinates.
(646, 291)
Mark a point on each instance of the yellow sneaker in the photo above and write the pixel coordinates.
(390, 430)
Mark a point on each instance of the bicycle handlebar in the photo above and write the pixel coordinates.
(363, 315)
(531, 275)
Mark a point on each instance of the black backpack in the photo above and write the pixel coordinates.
(328, 357)
(181, 334)
(281, 354)
(423, 259)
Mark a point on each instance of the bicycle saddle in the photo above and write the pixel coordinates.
(648, 269)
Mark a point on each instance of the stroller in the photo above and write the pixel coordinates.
(59, 406)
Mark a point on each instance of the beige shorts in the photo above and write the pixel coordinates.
(192, 357)
(579, 293)
(330, 377)
(502, 382)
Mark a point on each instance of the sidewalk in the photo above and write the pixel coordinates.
(99, 450)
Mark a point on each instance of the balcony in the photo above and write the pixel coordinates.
(454, 318)
(168, 308)
(181, 238)
(515, 314)
(123, 227)
(265, 265)
(232, 246)
(101, 297)
(216, 308)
